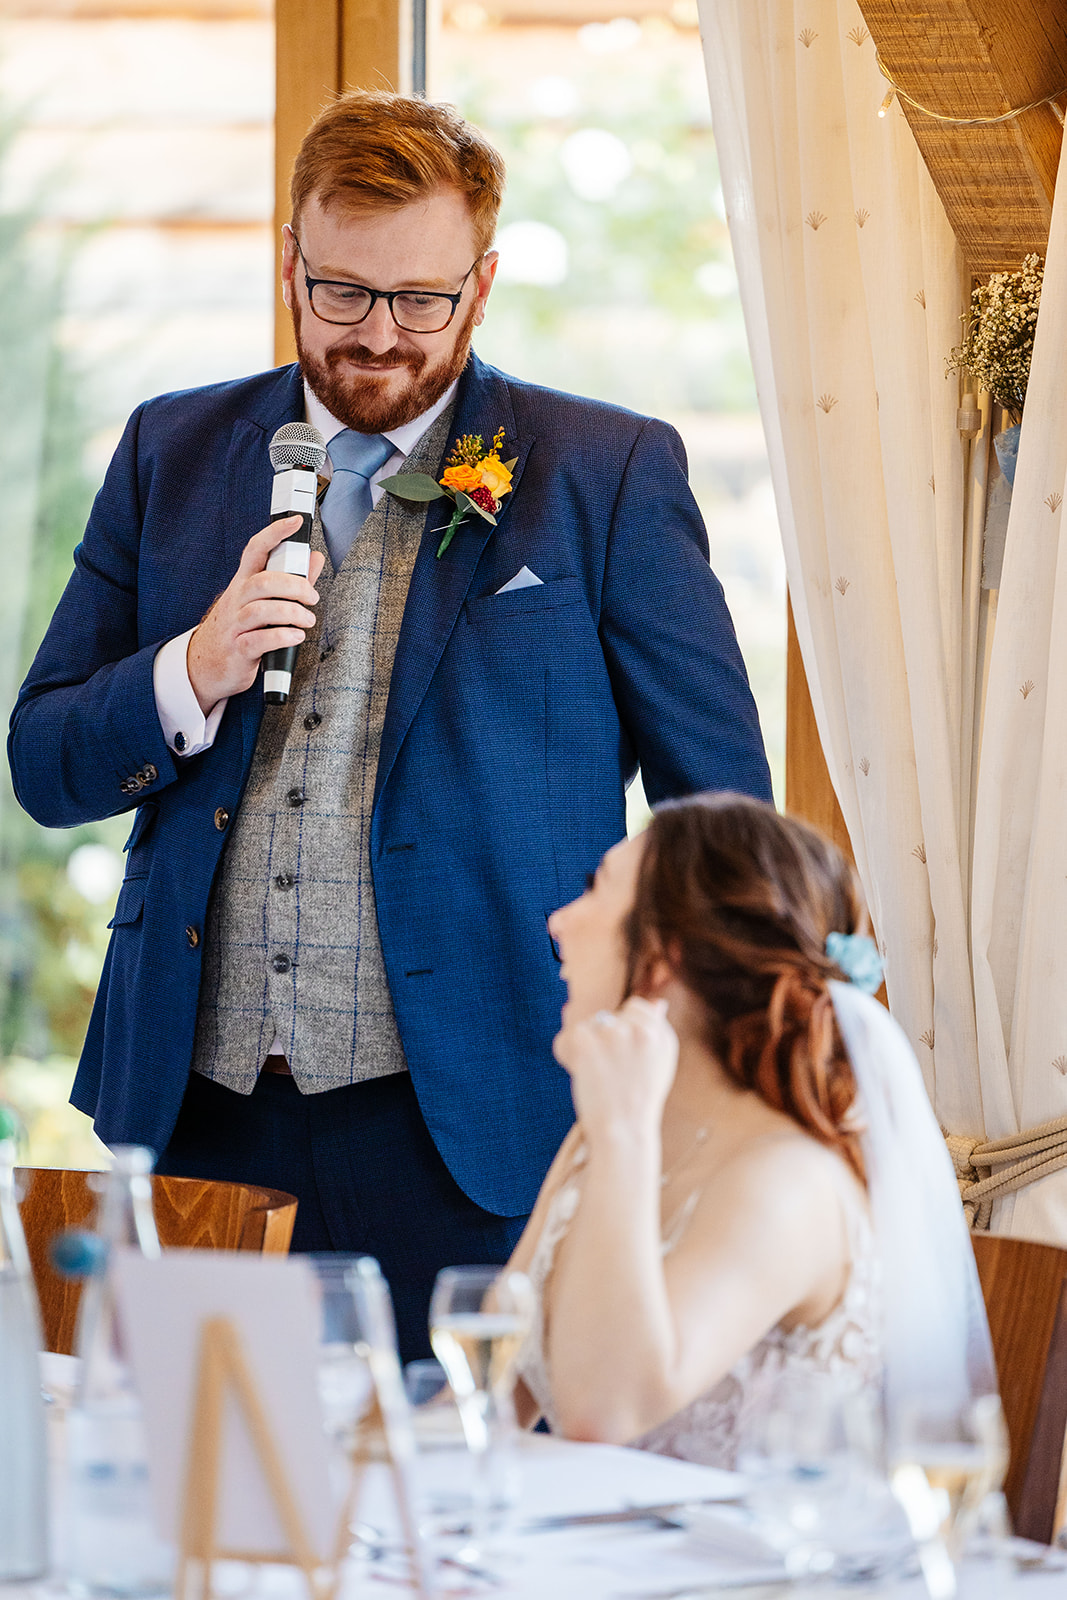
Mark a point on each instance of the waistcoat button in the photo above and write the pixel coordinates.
(295, 797)
(281, 963)
(192, 937)
(222, 817)
(285, 880)
(312, 720)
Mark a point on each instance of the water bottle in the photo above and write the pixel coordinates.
(23, 1452)
(113, 1550)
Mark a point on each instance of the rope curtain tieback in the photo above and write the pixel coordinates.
(986, 1169)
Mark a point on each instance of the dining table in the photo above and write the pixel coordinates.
(602, 1522)
(586, 1522)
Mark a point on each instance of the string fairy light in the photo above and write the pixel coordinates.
(896, 92)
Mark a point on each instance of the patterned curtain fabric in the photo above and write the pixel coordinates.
(852, 287)
(1019, 909)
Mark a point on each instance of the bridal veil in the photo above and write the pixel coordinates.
(935, 1335)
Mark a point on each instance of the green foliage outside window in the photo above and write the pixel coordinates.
(51, 937)
(647, 314)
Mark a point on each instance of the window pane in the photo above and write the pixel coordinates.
(616, 278)
(136, 198)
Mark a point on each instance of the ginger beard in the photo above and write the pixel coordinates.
(358, 399)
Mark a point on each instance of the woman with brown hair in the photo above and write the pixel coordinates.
(755, 1185)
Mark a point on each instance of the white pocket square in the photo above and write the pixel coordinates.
(523, 579)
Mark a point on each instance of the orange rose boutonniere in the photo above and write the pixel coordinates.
(474, 479)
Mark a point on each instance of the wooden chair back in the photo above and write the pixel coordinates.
(1025, 1290)
(191, 1213)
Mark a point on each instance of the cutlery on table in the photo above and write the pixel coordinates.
(666, 1515)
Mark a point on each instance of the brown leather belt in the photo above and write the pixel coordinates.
(277, 1064)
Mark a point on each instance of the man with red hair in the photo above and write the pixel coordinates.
(330, 970)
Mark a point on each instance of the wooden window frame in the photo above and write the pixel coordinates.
(323, 47)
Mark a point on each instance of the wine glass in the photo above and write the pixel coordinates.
(343, 1373)
(361, 1390)
(434, 1415)
(816, 1487)
(946, 1461)
(345, 1381)
(424, 1382)
(479, 1317)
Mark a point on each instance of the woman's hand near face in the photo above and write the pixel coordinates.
(622, 1065)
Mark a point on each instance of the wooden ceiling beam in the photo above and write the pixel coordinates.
(980, 58)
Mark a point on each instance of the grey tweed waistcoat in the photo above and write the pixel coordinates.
(291, 942)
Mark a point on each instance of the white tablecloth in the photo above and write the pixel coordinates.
(631, 1561)
(635, 1561)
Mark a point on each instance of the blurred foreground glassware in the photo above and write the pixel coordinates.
(434, 1414)
(113, 1550)
(392, 1414)
(424, 1382)
(817, 1489)
(23, 1452)
(479, 1317)
(346, 1389)
(946, 1464)
(364, 1406)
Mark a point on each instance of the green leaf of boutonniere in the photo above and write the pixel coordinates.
(464, 503)
(413, 486)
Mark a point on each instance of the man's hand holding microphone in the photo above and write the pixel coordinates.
(264, 612)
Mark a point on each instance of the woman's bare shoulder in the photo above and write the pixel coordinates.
(777, 1175)
(768, 1243)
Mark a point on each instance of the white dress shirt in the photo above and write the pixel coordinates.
(185, 727)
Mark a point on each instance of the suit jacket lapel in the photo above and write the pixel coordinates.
(439, 587)
(247, 508)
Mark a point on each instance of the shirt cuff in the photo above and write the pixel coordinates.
(185, 728)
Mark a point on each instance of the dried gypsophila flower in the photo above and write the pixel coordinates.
(998, 337)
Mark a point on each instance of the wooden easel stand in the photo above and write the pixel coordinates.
(223, 1370)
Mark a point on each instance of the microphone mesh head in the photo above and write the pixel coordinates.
(297, 444)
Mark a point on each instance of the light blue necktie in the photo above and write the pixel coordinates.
(356, 457)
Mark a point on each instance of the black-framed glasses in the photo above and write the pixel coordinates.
(413, 310)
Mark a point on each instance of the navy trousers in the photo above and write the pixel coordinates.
(365, 1170)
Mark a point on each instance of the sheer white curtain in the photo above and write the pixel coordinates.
(852, 287)
(1019, 914)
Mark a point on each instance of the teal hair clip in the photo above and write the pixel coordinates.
(856, 955)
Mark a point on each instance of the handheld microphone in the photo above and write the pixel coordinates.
(297, 454)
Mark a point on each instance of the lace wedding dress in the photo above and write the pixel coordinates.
(710, 1428)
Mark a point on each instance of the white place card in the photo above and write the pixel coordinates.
(272, 1303)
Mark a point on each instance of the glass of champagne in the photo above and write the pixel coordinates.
(479, 1317)
(945, 1463)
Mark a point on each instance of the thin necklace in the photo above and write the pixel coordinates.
(689, 1151)
(675, 1225)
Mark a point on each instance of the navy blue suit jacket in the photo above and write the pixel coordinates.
(513, 723)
